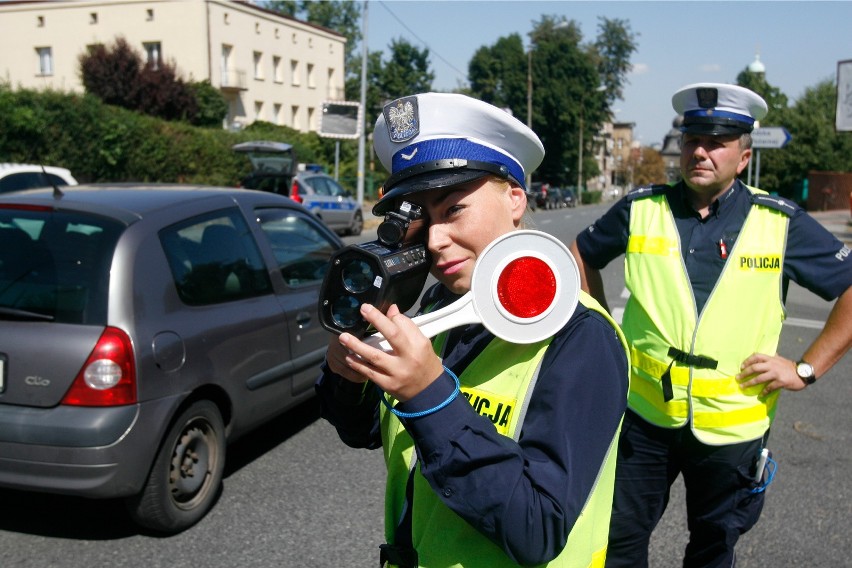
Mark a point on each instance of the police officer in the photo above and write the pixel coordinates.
(497, 453)
(707, 263)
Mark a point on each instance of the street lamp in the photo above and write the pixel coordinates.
(599, 89)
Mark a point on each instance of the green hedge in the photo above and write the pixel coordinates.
(103, 143)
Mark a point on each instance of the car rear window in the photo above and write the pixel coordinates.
(54, 265)
(214, 259)
(29, 180)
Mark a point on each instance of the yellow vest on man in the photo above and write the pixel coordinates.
(498, 384)
(742, 315)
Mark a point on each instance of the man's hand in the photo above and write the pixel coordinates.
(774, 372)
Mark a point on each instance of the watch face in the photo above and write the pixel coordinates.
(805, 372)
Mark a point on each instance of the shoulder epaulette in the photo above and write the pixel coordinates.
(646, 191)
(781, 204)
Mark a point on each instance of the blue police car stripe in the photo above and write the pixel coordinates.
(453, 148)
(310, 204)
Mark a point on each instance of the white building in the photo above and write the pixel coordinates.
(269, 67)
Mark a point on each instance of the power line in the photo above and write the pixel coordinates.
(462, 74)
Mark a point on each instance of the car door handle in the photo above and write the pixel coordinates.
(303, 319)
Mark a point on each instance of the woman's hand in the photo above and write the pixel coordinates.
(403, 372)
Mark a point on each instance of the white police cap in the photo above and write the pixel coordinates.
(433, 140)
(718, 109)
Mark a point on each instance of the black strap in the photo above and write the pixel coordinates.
(402, 552)
(699, 361)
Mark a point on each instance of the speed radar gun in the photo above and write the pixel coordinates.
(390, 270)
(525, 287)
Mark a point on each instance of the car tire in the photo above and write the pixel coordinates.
(357, 224)
(187, 473)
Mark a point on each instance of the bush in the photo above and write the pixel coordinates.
(105, 143)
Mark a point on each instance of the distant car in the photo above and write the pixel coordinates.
(142, 328)
(328, 200)
(548, 196)
(539, 191)
(275, 170)
(16, 177)
(567, 197)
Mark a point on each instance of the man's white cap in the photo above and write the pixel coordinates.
(433, 140)
(718, 109)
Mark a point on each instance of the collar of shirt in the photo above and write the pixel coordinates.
(681, 207)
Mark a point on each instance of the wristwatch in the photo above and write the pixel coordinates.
(805, 371)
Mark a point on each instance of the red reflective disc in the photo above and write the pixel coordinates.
(526, 287)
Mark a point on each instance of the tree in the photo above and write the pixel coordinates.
(568, 104)
(649, 168)
(212, 106)
(110, 72)
(407, 70)
(160, 92)
(498, 75)
(118, 76)
(613, 47)
(815, 144)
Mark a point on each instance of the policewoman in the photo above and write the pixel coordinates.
(498, 454)
(707, 265)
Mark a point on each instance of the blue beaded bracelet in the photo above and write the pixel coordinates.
(432, 410)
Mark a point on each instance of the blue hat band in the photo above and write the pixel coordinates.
(709, 113)
(450, 149)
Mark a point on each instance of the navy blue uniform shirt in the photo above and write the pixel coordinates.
(524, 496)
(811, 258)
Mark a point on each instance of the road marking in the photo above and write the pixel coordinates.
(618, 314)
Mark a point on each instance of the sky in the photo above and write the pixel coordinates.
(679, 42)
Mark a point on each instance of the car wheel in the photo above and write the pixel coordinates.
(187, 472)
(357, 224)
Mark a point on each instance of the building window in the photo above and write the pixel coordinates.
(311, 119)
(294, 73)
(45, 60)
(93, 18)
(294, 117)
(258, 65)
(258, 110)
(277, 33)
(149, 15)
(153, 54)
(257, 28)
(226, 18)
(311, 81)
(276, 112)
(277, 72)
(40, 21)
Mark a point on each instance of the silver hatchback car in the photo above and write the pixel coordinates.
(144, 327)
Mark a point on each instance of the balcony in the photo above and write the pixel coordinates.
(233, 80)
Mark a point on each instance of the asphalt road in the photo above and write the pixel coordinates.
(295, 496)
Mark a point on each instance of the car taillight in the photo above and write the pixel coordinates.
(294, 192)
(108, 378)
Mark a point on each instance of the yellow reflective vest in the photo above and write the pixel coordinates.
(742, 315)
(499, 383)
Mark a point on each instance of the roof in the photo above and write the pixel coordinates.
(132, 200)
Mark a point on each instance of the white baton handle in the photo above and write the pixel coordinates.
(460, 312)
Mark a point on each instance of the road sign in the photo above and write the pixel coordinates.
(770, 137)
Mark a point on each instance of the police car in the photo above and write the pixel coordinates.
(276, 170)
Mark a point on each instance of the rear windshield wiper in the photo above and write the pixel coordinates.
(16, 314)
